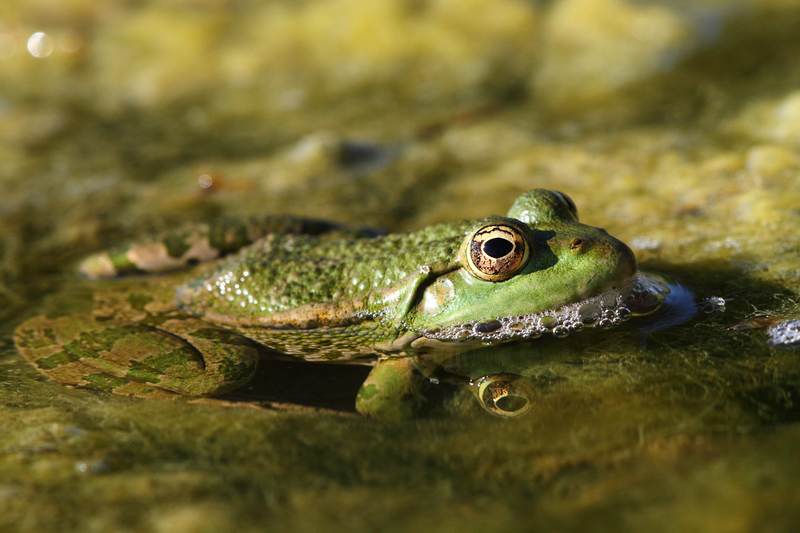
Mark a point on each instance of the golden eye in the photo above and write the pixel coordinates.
(496, 252)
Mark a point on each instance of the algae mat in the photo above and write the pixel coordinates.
(675, 125)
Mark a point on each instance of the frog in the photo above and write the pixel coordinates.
(192, 311)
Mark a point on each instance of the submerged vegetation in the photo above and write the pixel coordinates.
(675, 125)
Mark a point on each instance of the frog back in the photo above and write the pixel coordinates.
(303, 282)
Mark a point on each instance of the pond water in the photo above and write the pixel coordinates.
(674, 125)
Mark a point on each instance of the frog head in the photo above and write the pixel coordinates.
(536, 270)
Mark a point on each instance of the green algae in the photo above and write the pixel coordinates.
(682, 139)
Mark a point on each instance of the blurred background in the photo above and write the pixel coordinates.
(673, 124)
(395, 113)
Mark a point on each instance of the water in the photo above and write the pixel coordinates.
(683, 144)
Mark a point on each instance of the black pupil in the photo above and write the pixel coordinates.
(497, 247)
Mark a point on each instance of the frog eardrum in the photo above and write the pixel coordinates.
(496, 252)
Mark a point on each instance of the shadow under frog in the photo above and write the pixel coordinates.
(240, 290)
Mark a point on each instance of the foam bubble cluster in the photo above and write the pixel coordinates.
(642, 295)
(785, 334)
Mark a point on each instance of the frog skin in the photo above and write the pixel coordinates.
(320, 292)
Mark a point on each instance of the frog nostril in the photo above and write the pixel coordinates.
(577, 245)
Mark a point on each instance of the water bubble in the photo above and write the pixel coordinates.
(589, 311)
(560, 331)
(40, 45)
(605, 310)
(713, 304)
(488, 327)
(609, 299)
(576, 326)
(589, 321)
(549, 322)
(462, 334)
(96, 466)
(622, 314)
(205, 181)
(785, 334)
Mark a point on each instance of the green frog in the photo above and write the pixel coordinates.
(198, 305)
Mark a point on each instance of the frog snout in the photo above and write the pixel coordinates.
(607, 249)
(619, 254)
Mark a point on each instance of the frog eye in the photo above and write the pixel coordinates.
(496, 252)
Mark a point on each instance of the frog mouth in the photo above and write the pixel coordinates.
(642, 295)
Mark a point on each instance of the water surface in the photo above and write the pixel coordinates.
(674, 125)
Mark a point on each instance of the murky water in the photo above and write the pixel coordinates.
(674, 125)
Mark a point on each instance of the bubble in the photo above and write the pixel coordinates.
(609, 299)
(785, 334)
(97, 466)
(576, 326)
(560, 331)
(606, 310)
(205, 181)
(40, 45)
(461, 334)
(488, 327)
(623, 314)
(713, 304)
(589, 321)
(549, 322)
(589, 311)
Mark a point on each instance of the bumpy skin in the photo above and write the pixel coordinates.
(135, 342)
(311, 290)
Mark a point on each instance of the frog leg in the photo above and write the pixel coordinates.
(393, 390)
(196, 243)
(178, 356)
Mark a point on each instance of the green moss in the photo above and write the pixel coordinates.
(685, 146)
(139, 300)
(177, 244)
(140, 372)
(368, 392)
(57, 359)
(104, 382)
